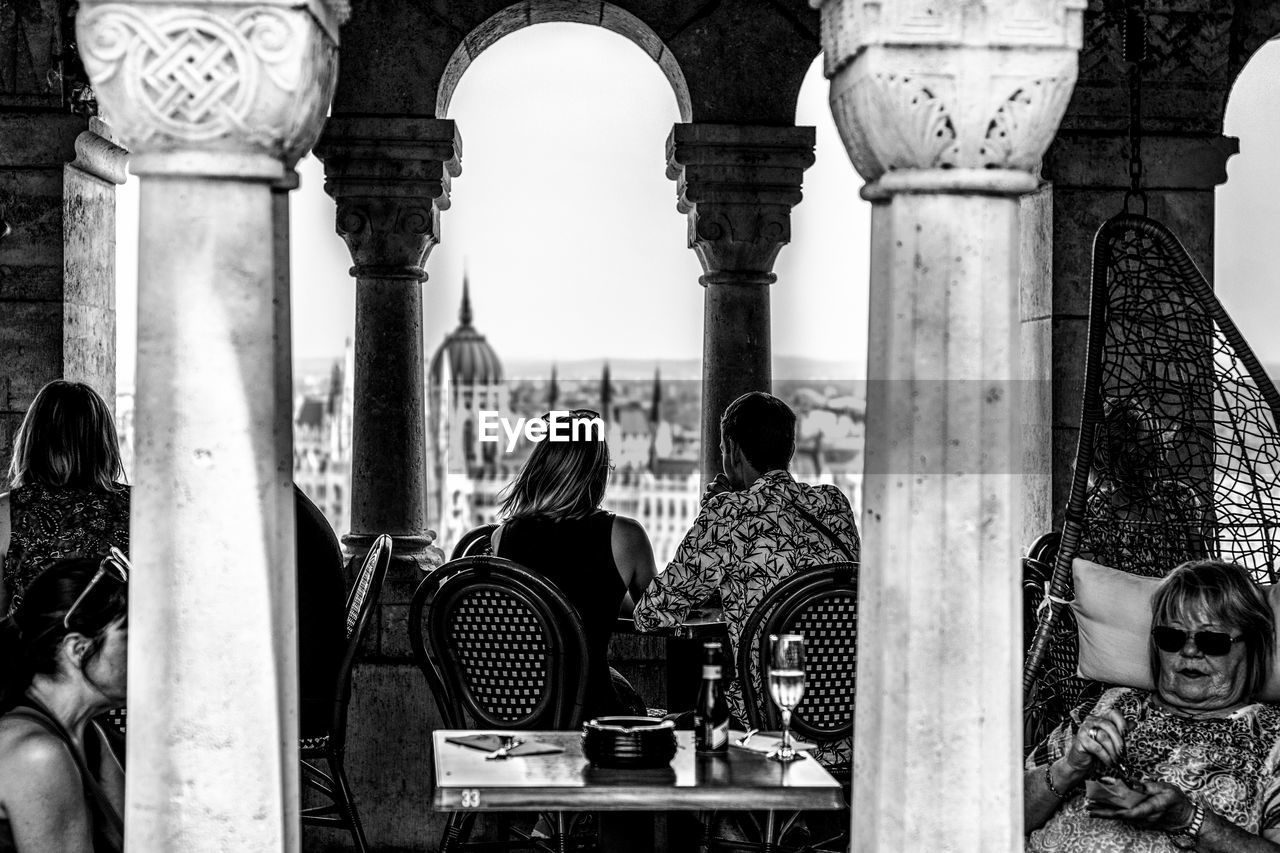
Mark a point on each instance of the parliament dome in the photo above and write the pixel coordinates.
(472, 360)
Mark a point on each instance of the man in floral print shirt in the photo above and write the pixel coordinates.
(749, 534)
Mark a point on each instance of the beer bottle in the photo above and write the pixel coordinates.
(711, 714)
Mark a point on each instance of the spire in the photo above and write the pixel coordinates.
(655, 418)
(553, 392)
(464, 314)
(335, 386)
(655, 408)
(606, 394)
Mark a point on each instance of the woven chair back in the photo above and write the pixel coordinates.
(475, 542)
(499, 646)
(1178, 457)
(821, 604)
(361, 602)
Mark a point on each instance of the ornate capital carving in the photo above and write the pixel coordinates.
(391, 178)
(938, 95)
(738, 184)
(212, 88)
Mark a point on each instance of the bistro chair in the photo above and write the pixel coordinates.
(500, 648)
(1178, 455)
(475, 542)
(821, 604)
(340, 808)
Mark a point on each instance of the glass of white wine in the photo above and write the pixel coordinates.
(786, 686)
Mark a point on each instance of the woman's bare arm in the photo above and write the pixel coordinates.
(42, 794)
(633, 555)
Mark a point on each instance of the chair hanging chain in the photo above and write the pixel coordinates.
(1135, 53)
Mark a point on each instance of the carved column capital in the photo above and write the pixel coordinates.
(949, 95)
(390, 178)
(214, 88)
(738, 183)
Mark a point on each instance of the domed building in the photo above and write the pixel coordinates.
(464, 379)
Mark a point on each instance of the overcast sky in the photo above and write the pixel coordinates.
(566, 222)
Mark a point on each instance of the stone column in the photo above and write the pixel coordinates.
(737, 183)
(1089, 171)
(946, 109)
(285, 579)
(212, 99)
(390, 178)
(89, 258)
(57, 255)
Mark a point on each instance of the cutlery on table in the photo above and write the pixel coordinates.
(508, 744)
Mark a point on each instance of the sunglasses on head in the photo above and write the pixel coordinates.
(1212, 643)
(115, 564)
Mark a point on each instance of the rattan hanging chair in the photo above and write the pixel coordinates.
(1178, 455)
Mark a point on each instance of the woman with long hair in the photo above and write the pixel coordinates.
(63, 662)
(553, 525)
(68, 497)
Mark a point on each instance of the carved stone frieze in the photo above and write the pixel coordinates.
(217, 78)
(737, 184)
(970, 92)
(391, 178)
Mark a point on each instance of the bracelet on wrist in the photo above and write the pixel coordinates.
(1186, 837)
(1053, 789)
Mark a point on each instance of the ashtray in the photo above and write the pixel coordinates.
(629, 742)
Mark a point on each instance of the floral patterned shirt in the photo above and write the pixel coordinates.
(1231, 764)
(49, 524)
(742, 544)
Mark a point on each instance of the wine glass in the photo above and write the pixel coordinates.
(786, 686)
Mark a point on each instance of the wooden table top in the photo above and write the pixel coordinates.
(465, 779)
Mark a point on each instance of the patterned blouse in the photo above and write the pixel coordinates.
(742, 544)
(49, 524)
(1231, 764)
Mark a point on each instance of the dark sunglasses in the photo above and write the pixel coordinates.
(115, 564)
(1212, 643)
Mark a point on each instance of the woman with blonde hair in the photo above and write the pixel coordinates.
(67, 498)
(553, 525)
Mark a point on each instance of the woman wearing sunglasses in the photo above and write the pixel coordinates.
(62, 662)
(68, 498)
(1193, 765)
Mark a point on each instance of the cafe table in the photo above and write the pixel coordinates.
(465, 779)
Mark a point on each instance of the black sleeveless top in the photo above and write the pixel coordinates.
(577, 556)
(107, 826)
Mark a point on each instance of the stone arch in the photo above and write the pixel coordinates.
(593, 12)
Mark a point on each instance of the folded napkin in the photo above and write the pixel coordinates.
(766, 742)
(492, 743)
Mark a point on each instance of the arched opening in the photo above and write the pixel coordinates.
(819, 305)
(522, 15)
(564, 225)
(1246, 253)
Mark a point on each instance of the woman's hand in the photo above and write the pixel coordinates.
(1099, 742)
(1164, 808)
